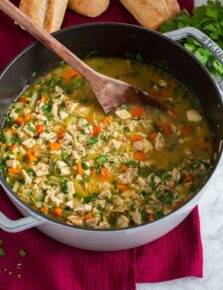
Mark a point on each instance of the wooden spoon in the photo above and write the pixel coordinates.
(109, 92)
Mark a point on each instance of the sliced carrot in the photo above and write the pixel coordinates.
(107, 120)
(123, 168)
(88, 216)
(23, 198)
(79, 168)
(27, 117)
(151, 217)
(70, 74)
(122, 187)
(4, 145)
(19, 121)
(137, 112)
(57, 211)
(43, 99)
(189, 178)
(44, 209)
(203, 143)
(186, 131)
(31, 157)
(140, 156)
(93, 172)
(55, 146)
(172, 114)
(25, 100)
(61, 134)
(13, 147)
(152, 135)
(165, 127)
(96, 130)
(90, 118)
(11, 130)
(14, 170)
(136, 138)
(105, 174)
(164, 92)
(39, 128)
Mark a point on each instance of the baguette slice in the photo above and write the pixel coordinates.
(90, 8)
(48, 14)
(152, 13)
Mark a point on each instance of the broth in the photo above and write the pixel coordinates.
(62, 156)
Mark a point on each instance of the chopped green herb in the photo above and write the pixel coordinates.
(90, 197)
(31, 127)
(2, 252)
(101, 159)
(85, 166)
(92, 141)
(3, 166)
(47, 108)
(65, 156)
(9, 121)
(83, 101)
(131, 163)
(64, 187)
(139, 57)
(166, 197)
(22, 253)
(126, 129)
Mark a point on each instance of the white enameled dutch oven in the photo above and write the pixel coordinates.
(155, 48)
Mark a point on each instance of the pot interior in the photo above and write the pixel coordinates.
(118, 40)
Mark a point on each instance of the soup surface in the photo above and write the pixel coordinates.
(64, 157)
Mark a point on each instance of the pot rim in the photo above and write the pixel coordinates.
(33, 212)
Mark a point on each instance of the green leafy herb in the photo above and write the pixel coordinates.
(64, 186)
(76, 83)
(47, 108)
(126, 129)
(131, 163)
(207, 18)
(65, 156)
(85, 166)
(22, 253)
(166, 197)
(92, 141)
(101, 159)
(139, 57)
(31, 127)
(31, 174)
(2, 252)
(9, 121)
(112, 220)
(3, 166)
(90, 197)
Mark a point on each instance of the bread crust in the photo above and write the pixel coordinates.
(36, 9)
(48, 14)
(55, 14)
(152, 13)
(90, 8)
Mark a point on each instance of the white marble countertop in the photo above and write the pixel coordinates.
(211, 215)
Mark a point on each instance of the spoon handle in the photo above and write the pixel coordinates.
(48, 40)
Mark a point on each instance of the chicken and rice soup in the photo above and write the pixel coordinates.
(65, 158)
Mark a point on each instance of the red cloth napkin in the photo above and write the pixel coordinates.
(52, 265)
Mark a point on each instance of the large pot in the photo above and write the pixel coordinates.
(118, 40)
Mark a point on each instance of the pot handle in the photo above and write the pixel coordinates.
(199, 36)
(14, 226)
